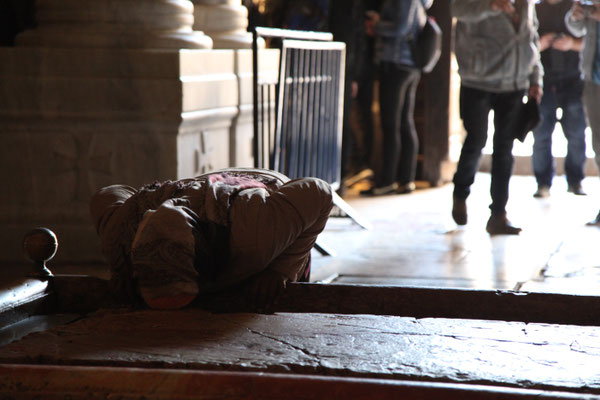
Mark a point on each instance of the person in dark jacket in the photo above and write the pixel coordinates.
(563, 88)
(398, 22)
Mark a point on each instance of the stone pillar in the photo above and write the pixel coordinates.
(225, 21)
(123, 24)
(105, 92)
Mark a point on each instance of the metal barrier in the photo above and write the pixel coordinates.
(298, 115)
(298, 118)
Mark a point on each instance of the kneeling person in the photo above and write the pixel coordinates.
(170, 241)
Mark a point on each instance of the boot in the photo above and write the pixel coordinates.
(459, 210)
(498, 224)
(596, 221)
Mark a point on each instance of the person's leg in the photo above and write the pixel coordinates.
(591, 99)
(506, 109)
(542, 160)
(474, 110)
(391, 99)
(407, 167)
(364, 101)
(573, 123)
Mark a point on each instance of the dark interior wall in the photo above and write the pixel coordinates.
(15, 17)
(432, 115)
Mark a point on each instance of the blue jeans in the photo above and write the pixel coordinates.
(566, 94)
(475, 106)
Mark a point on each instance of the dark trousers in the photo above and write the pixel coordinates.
(475, 106)
(567, 95)
(397, 91)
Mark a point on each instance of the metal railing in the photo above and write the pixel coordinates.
(298, 118)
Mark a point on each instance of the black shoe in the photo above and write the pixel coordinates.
(499, 225)
(595, 222)
(406, 188)
(577, 190)
(459, 210)
(380, 191)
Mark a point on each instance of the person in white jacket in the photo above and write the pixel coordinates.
(496, 47)
(171, 241)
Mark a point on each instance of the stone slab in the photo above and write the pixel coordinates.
(534, 356)
(56, 382)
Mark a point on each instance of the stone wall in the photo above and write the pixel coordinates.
(112, 105)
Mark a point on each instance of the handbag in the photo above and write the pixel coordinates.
(427, 47)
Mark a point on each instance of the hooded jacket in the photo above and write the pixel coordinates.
(208, 233)
(492, 54)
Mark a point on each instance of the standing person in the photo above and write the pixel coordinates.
(398, 79)
(563, 89)
(365, 96)
(496, 47)
(584, 21)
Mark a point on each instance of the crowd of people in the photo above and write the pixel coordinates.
(506, 50)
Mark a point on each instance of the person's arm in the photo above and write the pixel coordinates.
(396, 26)
(272, 235)
(575, 20)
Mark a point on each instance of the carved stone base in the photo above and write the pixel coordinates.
(73, 121)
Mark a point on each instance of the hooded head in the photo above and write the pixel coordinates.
(163, 255)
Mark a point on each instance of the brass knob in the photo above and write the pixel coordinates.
(40, 245)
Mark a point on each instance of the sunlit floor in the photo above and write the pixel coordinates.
(413, 241)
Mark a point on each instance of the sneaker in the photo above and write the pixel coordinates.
(577, 190)
(380, 191)
(595, 222)
(406, 188)
(459, 210)
(499, 225)
(542, 192)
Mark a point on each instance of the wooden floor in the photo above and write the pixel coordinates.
(414, 242)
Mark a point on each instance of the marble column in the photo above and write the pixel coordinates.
(225, 21)
(105, 92)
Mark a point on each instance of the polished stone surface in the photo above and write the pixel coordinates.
(539, 356)
(414, 241)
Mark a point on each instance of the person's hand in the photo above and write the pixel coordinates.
(546, 40)
(563, 43)
(535, 92)
(354, 89)
(578, 13)
(264, 289)
(506, 6)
